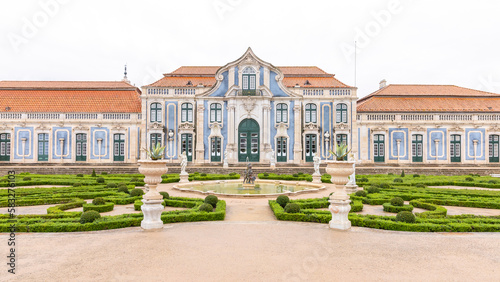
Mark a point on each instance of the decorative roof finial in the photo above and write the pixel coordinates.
(125, 79)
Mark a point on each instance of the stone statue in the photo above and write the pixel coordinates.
(184, 162)
(225, 164)
(317, 161)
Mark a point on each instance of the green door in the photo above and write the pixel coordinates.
(455, 147)
(81, 147)
(494, 148)
(119, 147)
(342, 139)
(311, 142)
(216, 149)
(43, 147)
(281, 149)
(248, 145)
(187, 145)
(5, 147)
(416, 148)
(379, 148)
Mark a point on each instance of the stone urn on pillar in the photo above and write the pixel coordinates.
(152, 170)
(339, 200)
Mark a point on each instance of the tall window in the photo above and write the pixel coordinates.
(249, 81)
(281, 113)
(311, 113)
(155, 112)
(341, 113)
(155, 138)
(186, 112)
(215, 112)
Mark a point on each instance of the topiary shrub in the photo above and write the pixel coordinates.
(134, 179)
(362, 179)
(165, 195)
(390, 173)
(420, 185)
(372, 190)
(99, 180)
(232, 174)
(89, 216)
(136, 192)
(98, 201)
(295, 175)
(93, 173)
(104, 173)
(397, 201)
(361, 193)
(123, 189)
(206, 208)
(469, 179)
(385, 185)
(405, 216)
(292, 208)
(398, 180)
(111, 185)
(266, 174)
(203, 174)
(27, 178)
(77, 184)
(212, 200)
(79, 175)
(282, 200)
(493, 181)
(416, 175)
(402, 173)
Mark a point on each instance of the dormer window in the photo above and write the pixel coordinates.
(189, 83)
(307, 82)
(249, 81)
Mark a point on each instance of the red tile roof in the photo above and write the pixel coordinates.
(66, 84)
(206, 76)
(429, 98)
(65, 97)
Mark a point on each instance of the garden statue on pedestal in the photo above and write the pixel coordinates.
(249, 178)
(225, 165)
(272, 161)
(339, 200)
(153, 170)
(316, 175)
(351, 186)
(184, 176)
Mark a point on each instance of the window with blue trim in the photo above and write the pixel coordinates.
(281, 113)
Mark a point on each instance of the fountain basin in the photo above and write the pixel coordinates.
(263, 188)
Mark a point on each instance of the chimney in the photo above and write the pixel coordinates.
(382, 84)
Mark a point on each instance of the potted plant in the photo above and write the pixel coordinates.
(340, 169)
(153, 169)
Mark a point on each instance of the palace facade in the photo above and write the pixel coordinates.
(246, 110)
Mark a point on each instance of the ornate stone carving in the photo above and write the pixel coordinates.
(5, 127)
(186, 126)
(342, 126)
(42, 126)
(248, 105)
(80, 127)
(216, 129)
(311, 127)
(281, 127)
(456, 127)
(156, 125)
(418, 128)
(494, 128)
(119, 126)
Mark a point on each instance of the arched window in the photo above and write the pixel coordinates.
(215, 112)
(281, 113)
(341, 113)
(155, 112)
(186, 112)
(311, 113)
(249, 81)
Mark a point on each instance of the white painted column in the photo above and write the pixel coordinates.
(297, 147)
(266, 109)
(200, 150)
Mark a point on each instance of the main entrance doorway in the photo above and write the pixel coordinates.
(248, 144)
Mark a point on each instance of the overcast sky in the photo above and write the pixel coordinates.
(404, 42)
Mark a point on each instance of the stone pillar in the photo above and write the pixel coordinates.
(266, 109)
(231, 130)
(297, 146)
(200, 124)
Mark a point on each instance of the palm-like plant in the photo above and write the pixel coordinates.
(156, 152)
(341, 151)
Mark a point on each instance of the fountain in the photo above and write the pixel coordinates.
(249, 178)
